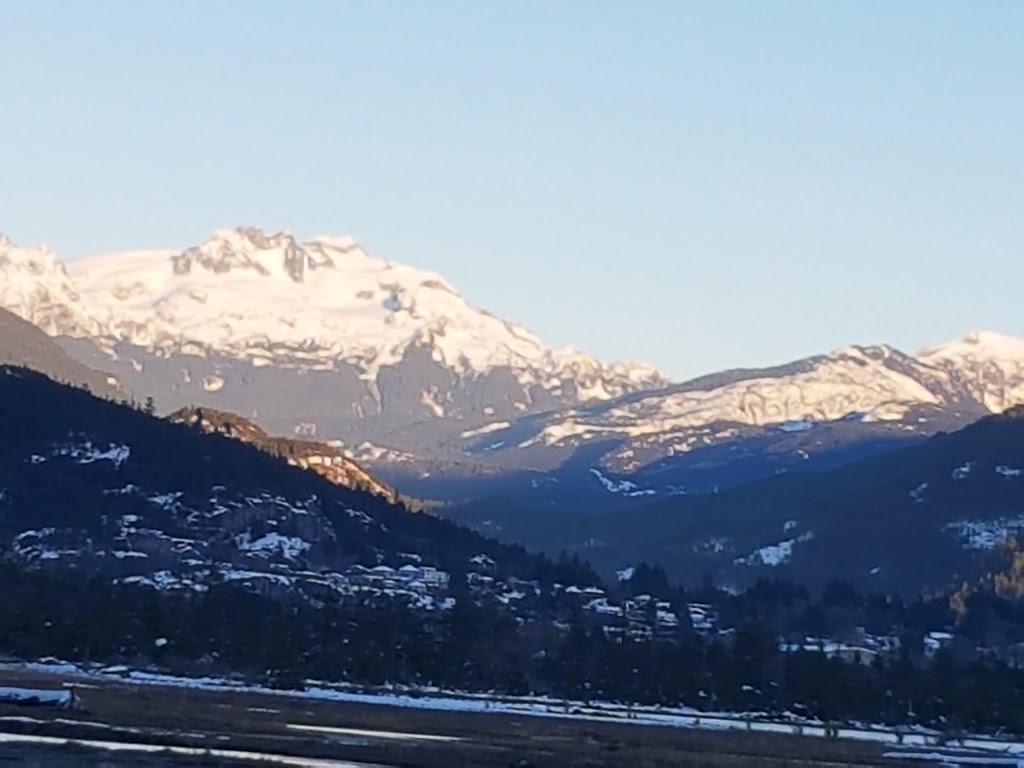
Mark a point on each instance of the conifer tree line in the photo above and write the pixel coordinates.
(477, 646)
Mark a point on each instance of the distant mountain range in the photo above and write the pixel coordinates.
(929, 516)
(443, 400)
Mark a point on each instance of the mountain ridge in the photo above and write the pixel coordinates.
(432, 393)
(156, 298)
(26, 345)
(926, 516)
(324, 459)
(96, 487)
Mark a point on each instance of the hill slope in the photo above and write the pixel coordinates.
(23, 344)
(325, 460)
(926, 516)
(317, 338)
(98, 487)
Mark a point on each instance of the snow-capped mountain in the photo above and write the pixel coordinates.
(313, 338)
(35, 285)
(988, 367)
(269, 299)
(878, 387)
(397, 370)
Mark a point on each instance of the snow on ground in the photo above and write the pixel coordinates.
(87, 453)
(963, 471)
(224, 754)
(496, 426)
(540, 706)
(271, 544)
(390, 735)
(774, 554)
(621, 487)
(985, 534)
(796, 426)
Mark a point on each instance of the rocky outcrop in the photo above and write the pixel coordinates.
(326, 460)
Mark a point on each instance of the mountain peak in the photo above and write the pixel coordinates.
(253, 250)
(242, 236)
(870, 353)
(5, 241)
(977, 344)
(324, 303)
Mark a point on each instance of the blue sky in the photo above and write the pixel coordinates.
(697, 184)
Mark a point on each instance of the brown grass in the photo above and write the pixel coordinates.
(228, 720)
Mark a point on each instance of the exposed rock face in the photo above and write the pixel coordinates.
(321, 458)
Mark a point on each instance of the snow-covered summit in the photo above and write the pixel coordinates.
(874, 384)
(35, 285)
(989, 365)
(977, 345)
(251, 295)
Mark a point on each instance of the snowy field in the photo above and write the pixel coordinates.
(909, 742)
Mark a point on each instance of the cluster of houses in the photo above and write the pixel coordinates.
(414, 578)
(429, 588)
(860, 647)
(637, 618)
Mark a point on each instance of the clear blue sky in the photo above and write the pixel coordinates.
(696, 184)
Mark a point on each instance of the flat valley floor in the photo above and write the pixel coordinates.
(218, 728)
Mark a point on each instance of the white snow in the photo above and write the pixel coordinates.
(774, 554)
(389, 735)
(626, 573)
(995, 361)
(224, 754)
(796, 426)
(844, 383)
(431, 399)
(963, 471)
(271, 544)
(985, 534)
(621, 487)
(237, 293)
(918, 493)
(61, 698)
(165, 500)
(867, 384)
(1006, 471)
(122, 554)
(87, 453)
(714, 544)
(430, 698)
(496, 426)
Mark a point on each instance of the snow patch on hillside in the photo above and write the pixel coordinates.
(271, 544)
(621, 487)
(774, 554)
(985, 534)
(496, 426)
